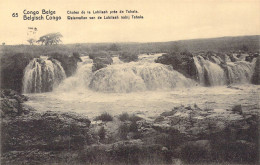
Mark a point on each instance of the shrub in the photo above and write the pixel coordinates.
(123, 117)
(126, 117)
(104, 117)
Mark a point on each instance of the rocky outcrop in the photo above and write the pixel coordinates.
(13, 66)
(256, 75)
(12, 70)
(100, 60)
(183, 63)
(128, 56)
(11, 103)
(69, 63)
(186, 134)
(195, 122)
(214, 69)
(38, 135)
(213, 134)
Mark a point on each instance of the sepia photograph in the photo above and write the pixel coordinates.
(130, 82)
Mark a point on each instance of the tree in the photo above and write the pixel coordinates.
(31, 41)
(50, 39)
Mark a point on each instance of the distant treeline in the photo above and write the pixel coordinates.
(223, 44)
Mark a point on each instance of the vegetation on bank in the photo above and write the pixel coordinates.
(104, 117)
(224, 44)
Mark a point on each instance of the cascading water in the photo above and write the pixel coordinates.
(126, 77)
(137, 77)
(135, 87)
(240, 72)
(80, 79)
(209, 73)
(42, 75)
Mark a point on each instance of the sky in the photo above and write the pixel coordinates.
(164, 20)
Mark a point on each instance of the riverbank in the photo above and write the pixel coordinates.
(183, 134)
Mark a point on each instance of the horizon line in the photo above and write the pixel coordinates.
(140, 42)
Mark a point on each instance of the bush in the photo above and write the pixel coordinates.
(104, 117)
(124, 117)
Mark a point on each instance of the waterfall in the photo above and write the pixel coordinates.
(136, 76)
(80, 80)
(125, 77)
(42, 75)
(240, 71)
(209, 73)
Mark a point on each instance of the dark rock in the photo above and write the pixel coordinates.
(97, 66)
(237, 109)
(182, 62)
(256, 74)
(11, 103)
(100, 60)
(168, 113)
(69, 63)
(12, 68)
(128, 56)
(48, 131)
